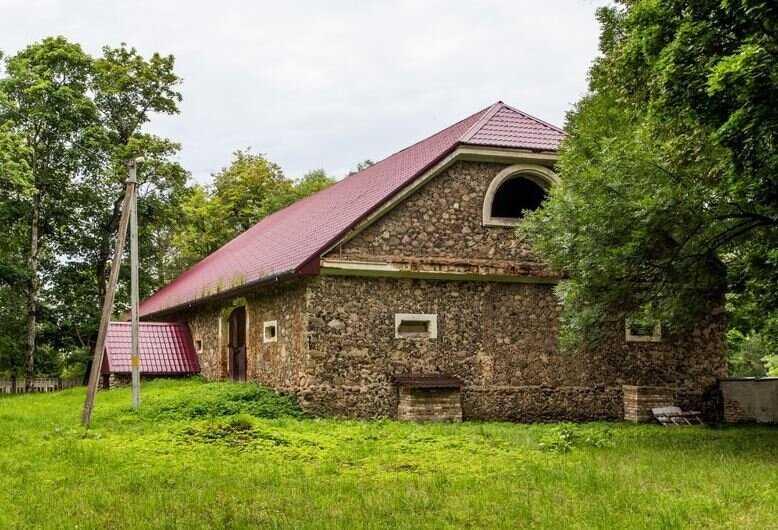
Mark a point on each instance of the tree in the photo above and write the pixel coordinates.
(68, 124)
(669, 194)
(15, 193)
(361, 166)
(243, 193)
(127, 88)
(44, 104)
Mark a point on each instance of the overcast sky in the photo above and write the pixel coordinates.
(327, 84)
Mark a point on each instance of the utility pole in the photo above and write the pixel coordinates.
(134, 351)
(105, 317)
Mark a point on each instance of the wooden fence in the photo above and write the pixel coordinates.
(39, 384)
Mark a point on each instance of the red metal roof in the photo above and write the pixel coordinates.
(285, 242)
(165, 349)
(504, 126)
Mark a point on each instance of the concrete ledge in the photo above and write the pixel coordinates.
(750, 400)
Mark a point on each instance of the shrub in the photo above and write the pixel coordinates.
(239, 431)
(213, 400)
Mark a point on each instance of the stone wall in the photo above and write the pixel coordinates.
(277, 364)
(441, 225)
(338, 352)
(499, 338)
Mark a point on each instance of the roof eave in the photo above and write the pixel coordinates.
(230, 293)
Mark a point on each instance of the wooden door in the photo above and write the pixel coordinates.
(237, 344)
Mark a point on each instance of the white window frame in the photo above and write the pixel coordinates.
(656, 335)
(265, 326)
(540, 175)
(198, 343)
(430, 318)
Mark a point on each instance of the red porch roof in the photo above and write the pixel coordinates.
(285, 242)
(165, 349)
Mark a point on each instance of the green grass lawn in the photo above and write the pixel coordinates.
(222, 455)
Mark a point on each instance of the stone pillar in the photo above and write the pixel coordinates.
(639, 400)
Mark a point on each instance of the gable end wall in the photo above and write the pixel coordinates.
(440, 225)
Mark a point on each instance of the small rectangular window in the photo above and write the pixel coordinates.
(643, 331)
(270, 331)
(415, 326)
(199, 346)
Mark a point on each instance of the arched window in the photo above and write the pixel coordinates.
(516, 196)
(515, 191)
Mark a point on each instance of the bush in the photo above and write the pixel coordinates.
(239, 431)
(213, 400)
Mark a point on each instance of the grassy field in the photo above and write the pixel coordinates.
(222, 455)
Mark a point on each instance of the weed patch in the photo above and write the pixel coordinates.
(564, 437)
(236, 431)
(215, 400)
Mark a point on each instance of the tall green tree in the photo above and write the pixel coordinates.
(15, 193)
(249, 189)
(127, 89)
(68, 124)
(669, 194)
(44, 103)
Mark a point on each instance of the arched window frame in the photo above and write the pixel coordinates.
(540, 175)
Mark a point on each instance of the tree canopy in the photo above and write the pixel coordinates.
(250, 188)
(669, 194)
(68, 124)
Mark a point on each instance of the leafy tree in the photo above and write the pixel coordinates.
(243, 193)
(249, 189)
(46, 111)
(312, 182)
(15, 192)
(361, 166)
(68, 123)
(669, 194)
(127, 88)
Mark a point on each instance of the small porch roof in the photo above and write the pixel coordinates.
(166, 348)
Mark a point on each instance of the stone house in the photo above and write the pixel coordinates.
(403, 291)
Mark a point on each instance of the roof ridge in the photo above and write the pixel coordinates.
(453, 125)
(530, 116)
(490, 112)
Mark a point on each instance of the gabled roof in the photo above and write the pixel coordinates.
(286, 242)
(504, 126)
(165, 349)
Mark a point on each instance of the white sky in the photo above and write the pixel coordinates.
(327, 84)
